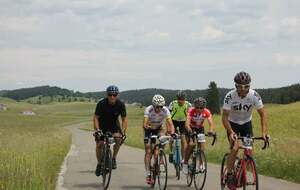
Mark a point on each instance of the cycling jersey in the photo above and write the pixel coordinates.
(156, 119)
(108, 115)
(241, 108)
(197, 119)
(179, 113)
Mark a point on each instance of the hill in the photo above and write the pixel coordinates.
(282, 95)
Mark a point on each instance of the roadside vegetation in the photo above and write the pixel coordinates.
(32, 147)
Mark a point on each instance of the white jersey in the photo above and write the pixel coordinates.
(241, 108)
(156, 119)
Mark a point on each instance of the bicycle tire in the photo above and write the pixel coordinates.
(200, 172)
(162, 177)
(250, 169)
(223, 172)
(177, 169)
(106, 170)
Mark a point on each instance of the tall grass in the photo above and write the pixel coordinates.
(281, 160)
(32, 148)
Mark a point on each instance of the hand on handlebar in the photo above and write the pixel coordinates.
(233, 136)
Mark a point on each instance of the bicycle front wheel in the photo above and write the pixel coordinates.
(106, 170)
(162, 170)
(177, 169)
(190, 175)
(251, 175)
(200, 170)
(223, 172)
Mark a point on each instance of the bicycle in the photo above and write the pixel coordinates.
(176, 156)
(198, 168)
(245, 171)
(158, 161)
(106, 159)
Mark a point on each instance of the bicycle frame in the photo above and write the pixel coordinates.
(176, 151)
(241, 174)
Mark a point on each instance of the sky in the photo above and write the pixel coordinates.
(86, 45)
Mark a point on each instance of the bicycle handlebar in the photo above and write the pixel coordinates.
(266, 142)
(214, 135)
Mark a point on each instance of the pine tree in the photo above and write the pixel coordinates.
(212, 98)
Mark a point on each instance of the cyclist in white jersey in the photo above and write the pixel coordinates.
(237, 116)
(154, 117)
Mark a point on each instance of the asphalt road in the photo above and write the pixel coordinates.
(79, 166)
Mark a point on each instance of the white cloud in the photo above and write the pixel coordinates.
(19, 24)
(286, 59)
(157, 34)
(208, 33)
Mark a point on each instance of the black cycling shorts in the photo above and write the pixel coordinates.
(198, 131)
(149, 132)
(179, 125)
(113, 130)
(242, 130)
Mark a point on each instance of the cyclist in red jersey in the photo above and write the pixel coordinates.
(194, 122)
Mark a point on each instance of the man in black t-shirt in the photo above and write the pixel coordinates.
(106, 119)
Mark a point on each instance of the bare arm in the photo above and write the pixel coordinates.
(212, 126)
(225, 121)
(96, 122)
(124, 124)
(170, 126)
(188, 123)
(145, 123)
(263, 121)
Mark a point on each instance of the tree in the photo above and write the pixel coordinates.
(212, 98)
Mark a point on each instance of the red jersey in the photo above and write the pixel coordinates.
(197, 119)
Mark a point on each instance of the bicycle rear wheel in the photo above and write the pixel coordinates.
(107, 163)
(162, 177)
(223, 172)
(200, 170)
(251, 181)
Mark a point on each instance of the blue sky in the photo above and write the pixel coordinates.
(88, 44)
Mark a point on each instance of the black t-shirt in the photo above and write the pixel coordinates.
(108, 113)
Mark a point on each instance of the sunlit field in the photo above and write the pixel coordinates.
(32, 147)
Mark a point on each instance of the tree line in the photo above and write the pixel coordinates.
(213, 94)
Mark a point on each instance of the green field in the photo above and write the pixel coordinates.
(32, 148)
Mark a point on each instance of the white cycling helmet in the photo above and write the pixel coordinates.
(158, 100)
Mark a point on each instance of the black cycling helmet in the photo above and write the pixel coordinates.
(242, 78)
(181, 95)
(200, 102)
(112, 89)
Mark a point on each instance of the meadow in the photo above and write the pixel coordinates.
(32, 147)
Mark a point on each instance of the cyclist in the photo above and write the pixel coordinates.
(195, 119)
(106, 119)
(154, 117)
(179, 109)
(237, 116)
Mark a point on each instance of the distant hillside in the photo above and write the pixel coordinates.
(281, 95)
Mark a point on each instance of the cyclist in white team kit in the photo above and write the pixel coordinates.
(237, 116)
(154, 117)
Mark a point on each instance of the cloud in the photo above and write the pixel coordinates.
(286, 59)
(208, 33)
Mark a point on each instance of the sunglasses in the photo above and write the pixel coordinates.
(114, 95)
(242, 86)
(200, 108)
(158, 107)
